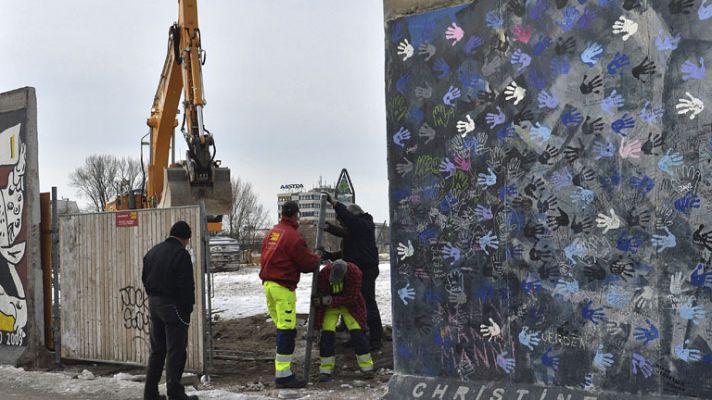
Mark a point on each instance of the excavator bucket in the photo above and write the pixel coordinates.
(178, 191)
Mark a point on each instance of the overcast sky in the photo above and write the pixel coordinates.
(294, 88)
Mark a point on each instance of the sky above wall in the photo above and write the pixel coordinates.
(294, 89)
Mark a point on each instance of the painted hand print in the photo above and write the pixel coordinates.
(562, 173)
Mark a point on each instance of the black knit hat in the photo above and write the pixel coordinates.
(181, 230)
(290, 208)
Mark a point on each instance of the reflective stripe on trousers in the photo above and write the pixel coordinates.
(365, 362)
(282, 365)
(327, 365)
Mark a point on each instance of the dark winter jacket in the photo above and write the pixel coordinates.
(350, 297)
(359, 234)
(168, 272)
(285, 255)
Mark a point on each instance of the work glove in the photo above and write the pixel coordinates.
(329, 199)
(324, 254)
(321, 301)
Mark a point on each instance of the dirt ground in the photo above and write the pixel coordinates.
(244, 353)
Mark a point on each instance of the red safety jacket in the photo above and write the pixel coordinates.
(350, 297)
(285, 254)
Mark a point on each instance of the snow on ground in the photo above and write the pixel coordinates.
(91, 388)
(239, 294)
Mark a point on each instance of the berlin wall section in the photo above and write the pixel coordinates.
(21, 296)
(549, 168)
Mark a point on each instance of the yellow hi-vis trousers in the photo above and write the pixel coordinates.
(281, 303)
(331, 318)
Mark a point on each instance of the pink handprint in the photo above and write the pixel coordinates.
(631, 149)
(454, 33)
(522, 33)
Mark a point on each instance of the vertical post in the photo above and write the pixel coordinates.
(56, 331)
(314, 290)
(207, 292)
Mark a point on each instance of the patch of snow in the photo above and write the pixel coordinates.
(239, 294)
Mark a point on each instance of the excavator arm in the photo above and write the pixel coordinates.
(199, 177)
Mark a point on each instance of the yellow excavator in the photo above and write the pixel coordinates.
(199, 177)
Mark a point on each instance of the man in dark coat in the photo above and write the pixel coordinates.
(168, 279)
(359, 247)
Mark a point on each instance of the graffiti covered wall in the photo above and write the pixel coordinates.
(549, 167)
(21, 324)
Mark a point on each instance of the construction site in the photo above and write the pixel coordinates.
(533, 173)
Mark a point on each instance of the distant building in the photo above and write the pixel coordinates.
(308, 200)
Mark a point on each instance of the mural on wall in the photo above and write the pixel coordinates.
(13, 263)
(549, 167)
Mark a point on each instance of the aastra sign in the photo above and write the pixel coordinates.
(292, 186)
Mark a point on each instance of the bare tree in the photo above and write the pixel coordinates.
(248, 215)
(103, 176)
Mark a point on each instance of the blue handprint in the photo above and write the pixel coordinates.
(614, 100)
(494, 19)
(452, 94)
(540, 133)
(565, 287)
(687, 354)
(441, 66)
(639, 362)
(644, 184)
(472, 43)
(624, 122)
(607, 149)
(506, 363)
(668, 161)
(547, 100)
(539, 9)
(427, 235)
(493, 119)
(629, 243)
(592, 53)
(667, 42)
(609, 182)
(549, 360)
(651, 116)
(594, 315)
(488, 179)
(570, 15)
(401, 136)
(646, 335)
(402, 83)
(602, 360)
(450, 251)
(692, 313)
(617, 63)
(541, 45)
(690, 70)
(530, 284)
(447, 166)
(572, 117)
(528, 338)
(521, 58)
(619, 297)
(489, 240)
(705, 10)
(582, 195)
(506, 132)
(699, 278)
(483, 213)
(507, 192)
(536, 79)
(686, 203)
(589, 15)
(662, 242)
(560, 65)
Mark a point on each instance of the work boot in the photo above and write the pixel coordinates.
(376, 345)
(367, 375)
(295, 383)
(324, 378)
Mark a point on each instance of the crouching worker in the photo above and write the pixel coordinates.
(339, 286)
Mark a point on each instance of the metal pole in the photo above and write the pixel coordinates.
(314, 290)
(56, 331)
(205, 282)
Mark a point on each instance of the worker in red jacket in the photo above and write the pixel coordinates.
(284, 256)
(339, 286)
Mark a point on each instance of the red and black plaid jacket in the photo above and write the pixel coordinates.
(350, 297)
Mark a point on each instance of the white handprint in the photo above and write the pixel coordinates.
(405, 49)
(515, 92)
